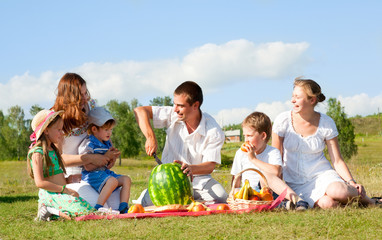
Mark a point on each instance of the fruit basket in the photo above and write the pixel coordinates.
(237, 203)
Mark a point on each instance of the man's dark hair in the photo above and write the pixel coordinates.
(192, 90)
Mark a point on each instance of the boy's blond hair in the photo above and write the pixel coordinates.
(260, 122)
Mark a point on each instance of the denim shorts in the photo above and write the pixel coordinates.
(98, 178)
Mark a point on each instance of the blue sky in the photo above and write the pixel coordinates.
(244, 54)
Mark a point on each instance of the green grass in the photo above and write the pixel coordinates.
(18, 207)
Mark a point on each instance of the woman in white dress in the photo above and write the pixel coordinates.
(301, 136)
(73, 97)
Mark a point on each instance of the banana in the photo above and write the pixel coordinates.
(237, 194)
(193, 203)
(189, 208)
(246, 188)
(240, 193)
(250, 192)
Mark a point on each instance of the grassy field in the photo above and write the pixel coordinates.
(18, 207)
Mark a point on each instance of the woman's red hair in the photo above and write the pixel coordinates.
(69, 98)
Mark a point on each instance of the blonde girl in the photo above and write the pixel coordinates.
(45, 166)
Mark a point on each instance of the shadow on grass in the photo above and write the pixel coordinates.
(12, 199)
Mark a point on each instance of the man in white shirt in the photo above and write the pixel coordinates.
(194, 139)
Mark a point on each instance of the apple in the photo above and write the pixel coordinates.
(222, 207)
(198, 208)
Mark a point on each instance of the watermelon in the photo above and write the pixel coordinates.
(169, 185)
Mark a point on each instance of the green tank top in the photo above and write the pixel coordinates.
(56, 169)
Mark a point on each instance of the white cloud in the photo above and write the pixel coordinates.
(214, 64)
(27, 90)
(361, 104)
(232, 116)
(211, 65)
(273, 109)
(236, 115)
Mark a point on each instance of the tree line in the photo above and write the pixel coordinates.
(127, 137)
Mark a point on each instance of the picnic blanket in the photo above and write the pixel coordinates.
(213, 210)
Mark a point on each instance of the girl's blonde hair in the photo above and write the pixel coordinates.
(311, 88)
(46, 160)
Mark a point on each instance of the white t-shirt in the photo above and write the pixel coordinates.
(203, 145)
(241, 161)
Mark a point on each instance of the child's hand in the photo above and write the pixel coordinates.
(71, 192)
(249, 149)
(112, 154)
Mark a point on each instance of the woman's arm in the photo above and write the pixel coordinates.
(84, 159)
(341, 167)
(337, 160)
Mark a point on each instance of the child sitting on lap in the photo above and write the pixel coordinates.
(103, 180)
(257, 128)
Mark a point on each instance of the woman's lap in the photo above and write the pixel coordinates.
(315, 188)
(88, 193)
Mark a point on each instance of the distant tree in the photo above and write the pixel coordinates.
(345, 128)
(35, 109)
(126, 134)
(4, 130)
(161, 101)
(160, 133)
(14, 132)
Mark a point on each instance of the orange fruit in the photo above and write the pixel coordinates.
(137, 208)
(198, 208)
(254, 198)
(222, 207)
(243, 147)
(266, 194)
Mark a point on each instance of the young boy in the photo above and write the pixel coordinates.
(257, 129)
(104, 181)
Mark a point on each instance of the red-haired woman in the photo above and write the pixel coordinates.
(73, 97)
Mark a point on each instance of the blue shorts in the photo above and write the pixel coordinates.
(98, 178)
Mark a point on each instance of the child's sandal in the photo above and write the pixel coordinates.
(378, 201)
(302, 205)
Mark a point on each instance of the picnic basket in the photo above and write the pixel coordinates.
(237, 204)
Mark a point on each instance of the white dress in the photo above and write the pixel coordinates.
(305, 168)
